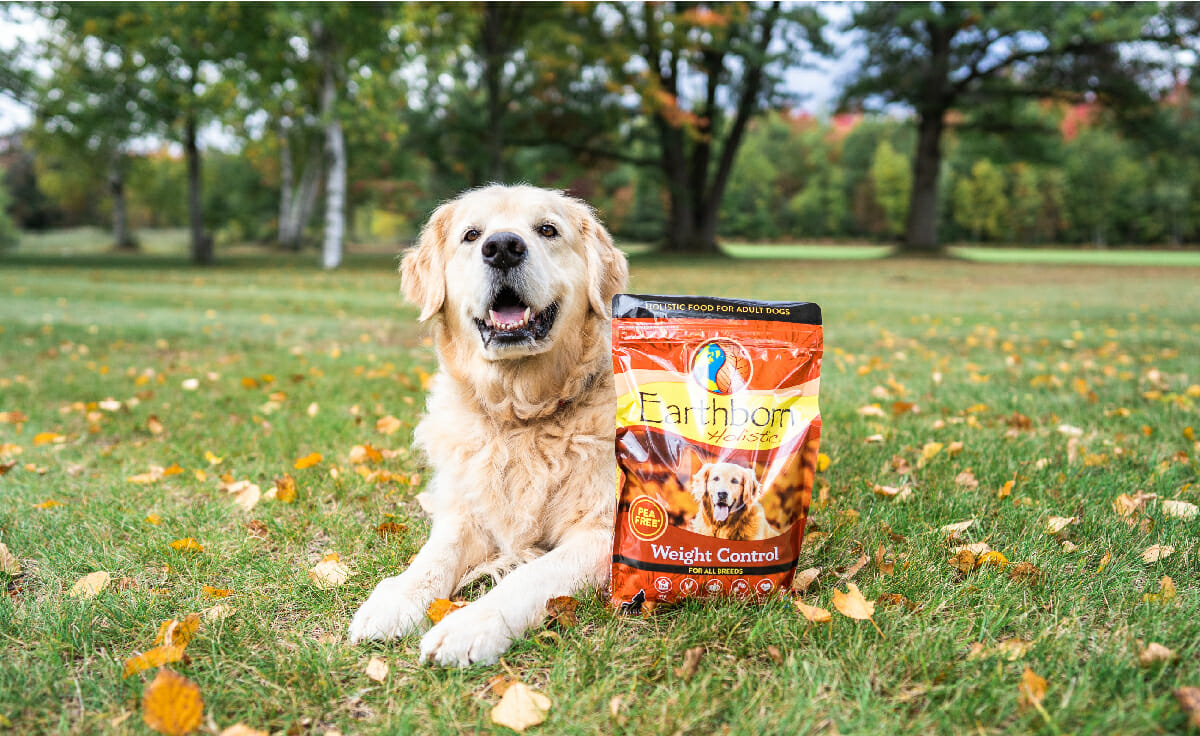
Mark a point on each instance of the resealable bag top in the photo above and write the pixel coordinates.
(717, 437)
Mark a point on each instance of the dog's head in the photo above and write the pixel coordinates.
(726, 489)
(514, 266)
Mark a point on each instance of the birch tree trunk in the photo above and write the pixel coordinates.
(120, 221)
(335, 184)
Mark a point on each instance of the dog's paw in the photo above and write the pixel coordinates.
(390, 612)
(476, 634)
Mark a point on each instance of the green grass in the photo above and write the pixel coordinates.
(1004, 338)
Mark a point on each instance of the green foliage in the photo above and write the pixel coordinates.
(9, 235)
(891, 176)
(980, 201)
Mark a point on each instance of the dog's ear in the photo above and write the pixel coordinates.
(700, 481)
(607, 270)
(752, 490)
(422, 273)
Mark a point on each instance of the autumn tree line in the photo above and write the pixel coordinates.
(305, 125)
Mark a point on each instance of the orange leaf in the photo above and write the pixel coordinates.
(48, 504)
(43, 438)
(852, 603)
(187, 544)
(172, 705)
(813, 613)
(561, 611)
(156, 657)
(441, 608)
(308, 460)
(173, 632)
(1032, 689)
(387, 425)
(285, 488)
(211, 592)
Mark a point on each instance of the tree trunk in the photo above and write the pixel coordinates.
(287, 176)
(920, 236)
(202, 246)
(122, 238)
(335, 185)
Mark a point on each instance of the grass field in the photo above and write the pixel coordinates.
(286, 361)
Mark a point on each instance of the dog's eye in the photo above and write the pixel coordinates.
(547, 230)
(472, 235)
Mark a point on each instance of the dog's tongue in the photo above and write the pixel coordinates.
(720, 513)
(508, 315)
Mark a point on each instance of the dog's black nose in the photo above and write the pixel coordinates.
(722, 497)
(503, 250)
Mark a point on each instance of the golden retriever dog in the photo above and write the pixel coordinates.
(728, 496)
(519, 424)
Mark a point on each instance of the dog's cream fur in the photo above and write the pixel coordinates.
(520, 438)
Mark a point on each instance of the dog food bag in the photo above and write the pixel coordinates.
(717, 436)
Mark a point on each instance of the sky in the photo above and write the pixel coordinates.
(817, 85)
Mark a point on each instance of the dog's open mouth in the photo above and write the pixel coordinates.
(721, 511)
(511, 321)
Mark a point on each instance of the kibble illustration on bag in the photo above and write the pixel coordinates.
(718, 429)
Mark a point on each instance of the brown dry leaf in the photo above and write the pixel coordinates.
(1180, 509)
(775, 655)
(390, 529)
(964, 560)
(171, 704)
(156, 657)
(387, 425)
(953, 530)
(1056, 524)
(874, 439)
(500, 684)
(1026, 571)
(1155, 653)
(247, 497)
(90, 585)
(5, 467)
(979, 548)
(966, 480)
(1157, 552)
(187, 544)
(377, 669)
(307, 461)
(954, 448)
(241, 729)
(893, 599)
(812, 613)
(285, 488)
(520, 708)
(1032, 689)
(329, 573)
(560, 611)
(441, 608)
(8, 563)
(904, 407)
(174, 632)
(1166, 592)
(859, 564)
(805, 578)
(362, 454)
(691, 661)
(896, 493)
(1126, 505)
(852, 603)
(1012, 649)
(218, 613)
(257, 529)
(211, 592)
(1189, 699)
(155, 426)
(887, 567)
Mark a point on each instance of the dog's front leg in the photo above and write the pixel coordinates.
(481, 632)
(397, 605)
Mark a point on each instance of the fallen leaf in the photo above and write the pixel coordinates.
(5, 467)
(805, 578)
(561, 611)
(13, 417)
(257, 529)
(441, 608)
(956, 528)
(187, 544)
(901, 493)
(966, 481)
(1126, 505)
(893, 599)
(1104, 562)
(329, 574)
(241, 729)
(859, 564)
(174, 632)
(387, 425)
(1166, 592)
(307, 461)
(691, 661)
(1068, 546)
(1031, 690)
(520, 708)
(218, 613)
(8, 563)
(1155, 653)
(390, 529)
(45, 438)
(247, 498)
(1026, 571)
(47, 504)
(285, 488)
(156, 657)
(873, 439)
(823, 462)
(211, 592)
(1180, 509)
(775, 655)
(156, 427)
(360, 454)
(992, 558)
(171, 704)
(812, 613)
(885, 566)
(853, 605)
(500, 684)
(870, 410)
(1006, 489)
(979, 548)
(955, 447)
(1055, 524)
(190, 384)
(377, 669)
(1189, 699)
(90, 585)
(930, 451)
(212, 458)
(1157, 552)
(1012, 649)
(964, 560)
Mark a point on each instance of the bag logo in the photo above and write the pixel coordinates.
(722, 367)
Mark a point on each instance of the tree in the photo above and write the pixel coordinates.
(697, 74)
(893, 185)
(936, 57)
(980, 201)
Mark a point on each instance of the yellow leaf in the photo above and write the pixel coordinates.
(90, 585)
(47, 504)
(387, 425)
(377, 669)
(852, 603)
(154, 519)
(1006, 489)
(329, 574)
(823, 462)
(992, 558)
(1179, 509)
(45, 438)
(1166, 591)
(172, 705)
(285, 488)
(249, 383)
(156, 657)
(213, 459)
(1104, 562)
(308, 460)
(211, 592)
(1031, 690)
(441, 608)
(360, 454)
(174, 632)
(1157, 552)
(187, 544)
(8, 563)
(172, 469)
(1056, 524)
(520, 708)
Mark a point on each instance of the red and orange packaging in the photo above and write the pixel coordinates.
(718, 430)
